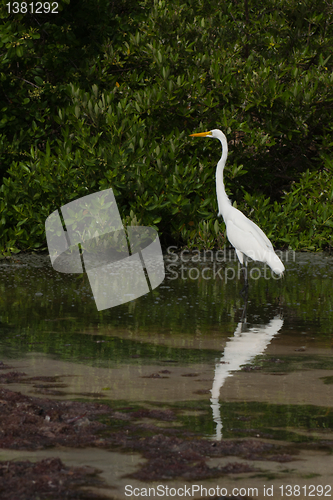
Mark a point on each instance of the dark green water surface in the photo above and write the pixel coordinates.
(191, 319)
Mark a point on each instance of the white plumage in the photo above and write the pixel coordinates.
(244, 235)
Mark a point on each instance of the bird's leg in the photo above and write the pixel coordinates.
(245, 272)
(245, 288)
(243, 318)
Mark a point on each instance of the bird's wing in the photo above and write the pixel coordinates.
(247, 242)
(247, 237)
(246, 225)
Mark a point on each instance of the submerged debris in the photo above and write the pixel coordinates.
(49, 478)
(29, 423)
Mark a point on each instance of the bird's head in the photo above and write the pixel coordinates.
(216, 134)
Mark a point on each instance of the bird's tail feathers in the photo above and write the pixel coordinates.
(274, 262)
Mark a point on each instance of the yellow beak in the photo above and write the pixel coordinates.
(201, 134)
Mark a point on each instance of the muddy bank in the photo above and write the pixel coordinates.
(171, 451)
(31, 423)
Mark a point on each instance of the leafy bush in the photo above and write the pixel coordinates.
(114, 109)
(304, 219)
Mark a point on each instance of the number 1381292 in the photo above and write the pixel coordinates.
(32, 7)
(306, 491)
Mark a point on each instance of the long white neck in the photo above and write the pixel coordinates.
(222, 199)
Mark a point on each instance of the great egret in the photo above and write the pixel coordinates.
(247, 238)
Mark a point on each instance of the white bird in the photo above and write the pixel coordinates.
(244, 235)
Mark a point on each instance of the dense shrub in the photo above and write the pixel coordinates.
(108, 98)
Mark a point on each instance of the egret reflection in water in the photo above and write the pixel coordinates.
(246, 343)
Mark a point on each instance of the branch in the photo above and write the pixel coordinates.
(27, 81)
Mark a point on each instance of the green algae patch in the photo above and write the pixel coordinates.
(327, 380)
(286, 364)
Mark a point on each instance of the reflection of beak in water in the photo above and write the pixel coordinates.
(240, 349)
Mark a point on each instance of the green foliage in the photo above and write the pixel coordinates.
(106, 97)
(304, 218)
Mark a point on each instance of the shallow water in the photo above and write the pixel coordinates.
(264, 371)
